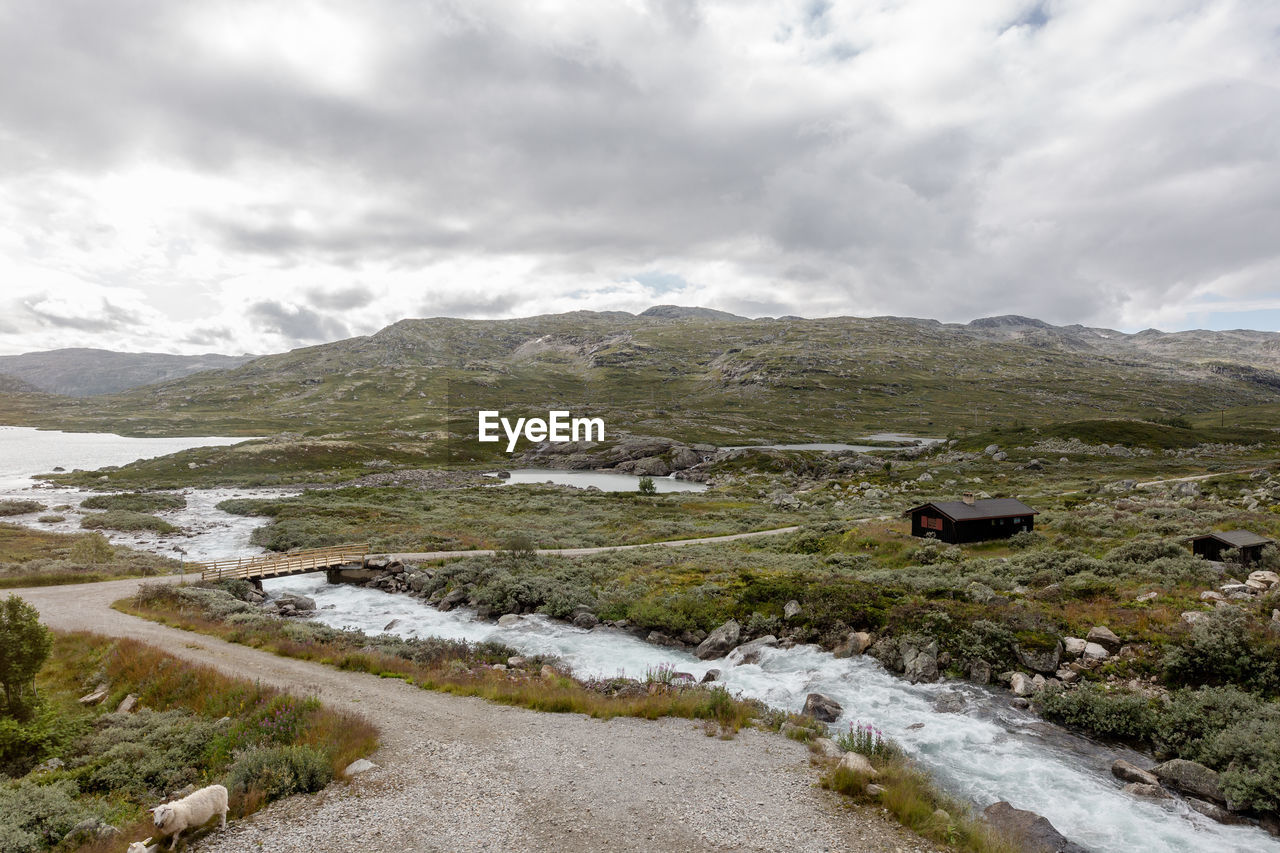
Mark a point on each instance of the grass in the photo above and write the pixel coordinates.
(195, 725)
(135, 502)
(45, 558)
(126, 520)
(15, 507)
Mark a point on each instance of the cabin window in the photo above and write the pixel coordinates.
(1017, 521)
(929, 523)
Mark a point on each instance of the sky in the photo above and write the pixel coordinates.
(251, 177)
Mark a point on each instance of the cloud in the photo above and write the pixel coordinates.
(339, 166)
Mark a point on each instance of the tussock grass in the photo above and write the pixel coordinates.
(44, 558)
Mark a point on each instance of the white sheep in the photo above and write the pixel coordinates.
(191, 811)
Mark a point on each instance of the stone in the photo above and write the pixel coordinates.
(822, 707)
(719, 641)
(585, 620)
(1147, 792)
(360, 765)
(1093, 651)
(750, 652)
(391, 624)
(1020, 684)
(1212, 595)
(855, 644)
(919, 660)
(712, 675)
(1257, 586)
(980, 672)
(1191, 617)
(1033, 831)
(1073, 647)
(453, 598)
(791, 609)
(1104, 637)
(297, 602)
(684, 457)
(827, 748)
(1148, 596)
(653, 466)
(999, 456)
(1190, 777)
(1128, 772)
(548, 673)
(1212, 811)
(51, 765)
(93, 698)
(951, 702)
(942, 815)
(991, 448)
(1067, 676)
(874, 790)
(856, 762)
(1269, 578)
(1021, 703)
(127, 704)
(1043, 660)
(516, 661)
(506, 620)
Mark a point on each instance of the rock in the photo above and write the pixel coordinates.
(855, 644)
(453, 598)
(548, 673)
(874, 790)
(858, 763)
(791, 609)
(49, 766)
(712, 675)
(93, 698)
(1105, 638)
(926, 477)
(822, 707)
(1148, 596)
(980, 672)
(516, 661)
(360, 765)
(1021, 684)
(1187, 490)
(1212, 595)
(1191, 617)
(1269, 578)
(652, 467)
(1190, 777)
(1073, 647)
(827, 748)
(1093, 651)
(1127, 772)
(951, 702)
(719, 641)
(1067, 676)
(390, 625)
(1212, 811)
(919, 659)
(127, 704)
(1040, 660)
(684, 457)
(750, 652)
(991, 448)
(999, 456)
(586, 620)
(1021, 703)
(297, 602)
(506, 620)
(1034, 832)
(942, 815)
(1147, 792)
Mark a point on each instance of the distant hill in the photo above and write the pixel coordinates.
(13, 385)
(82, 372)
(679, 312)
(699, 376)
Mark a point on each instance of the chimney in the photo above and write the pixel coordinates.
(968, 498)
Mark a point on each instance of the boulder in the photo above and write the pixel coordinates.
(1127, 772)
(94, 698)
(827, 748)
(712, 675)
(1020, 684)
(999, 456)
(1093, 651)
(1104, 637)
(858, 763)
(1031, 830)
(1190, 777)
(855, 644)
(919, 659)
(1147, 792)
(585, 619)
(1191, 617)
(651, 467)
(951, 702)
(1213, 811)
(127, 704)
(822, 707)
(1269, 578)
(506, 620)
(1042, 660)
(980, 672)
(360, 765)
(1073, 647)
(750, 652)
(516, 661)
(1148, 596)
(719, 641)
(297, 602)
(791, 609)
(453, 598)
(684, 457)
(1212, 595)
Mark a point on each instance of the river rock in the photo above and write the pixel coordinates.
(506, 620)
(1190, 777)
(1093, 651)
(1147, 792)
(855, 644)
(684, 457)
(919, 659)
(1212, 811)
(1020, 684)
(951, 702)
(1033, 831)
(1128, 772)
(453, 599)
(750, 652)
(980, 672)
(822, 707)
(856, 762)
(360, 765)
(719, 641)
(585, 619)
(791, 609)
(712, 675)
(1073, 647)
(827, 748)
(297, 602)
(1041, 660)
(1104, 637)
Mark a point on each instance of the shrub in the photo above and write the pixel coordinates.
(1225, 649)
(1119, 715)
(92, 548)
(20, 507)
(35, 817)
(279, 771)
(1024, 539)
(24, 645)
(125, 520)
(135, 502)
(145, 755)
(647, 487)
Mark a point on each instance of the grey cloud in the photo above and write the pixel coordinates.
(296, 323)
(111, 318)
(342, 299)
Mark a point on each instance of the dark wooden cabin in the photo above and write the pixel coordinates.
(1211, 545)
(970, 520)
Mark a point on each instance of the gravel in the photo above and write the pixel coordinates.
(462, 774)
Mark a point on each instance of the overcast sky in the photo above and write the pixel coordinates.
(252, 176)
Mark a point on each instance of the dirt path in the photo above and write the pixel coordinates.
(461, 774)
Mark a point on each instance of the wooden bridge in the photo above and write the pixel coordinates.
(255, 569)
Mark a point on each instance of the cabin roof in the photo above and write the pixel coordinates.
(978, 510)
(1236, 538)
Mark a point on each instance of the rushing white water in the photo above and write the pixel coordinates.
(987, 752)
(603, 481)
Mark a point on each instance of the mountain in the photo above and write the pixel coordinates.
(13, 385)
(679, 312)
(81, 372)
(698, 378)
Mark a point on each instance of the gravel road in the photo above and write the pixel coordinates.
(461, 774)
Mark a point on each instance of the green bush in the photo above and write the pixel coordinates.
(125, 520)
(1119, 715)
(25, 744)
(35, 817)
(1226, 648)
(280, 771)
(20, 507)
(146, 755)
(135, 502)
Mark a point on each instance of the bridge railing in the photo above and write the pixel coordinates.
(291, 562)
